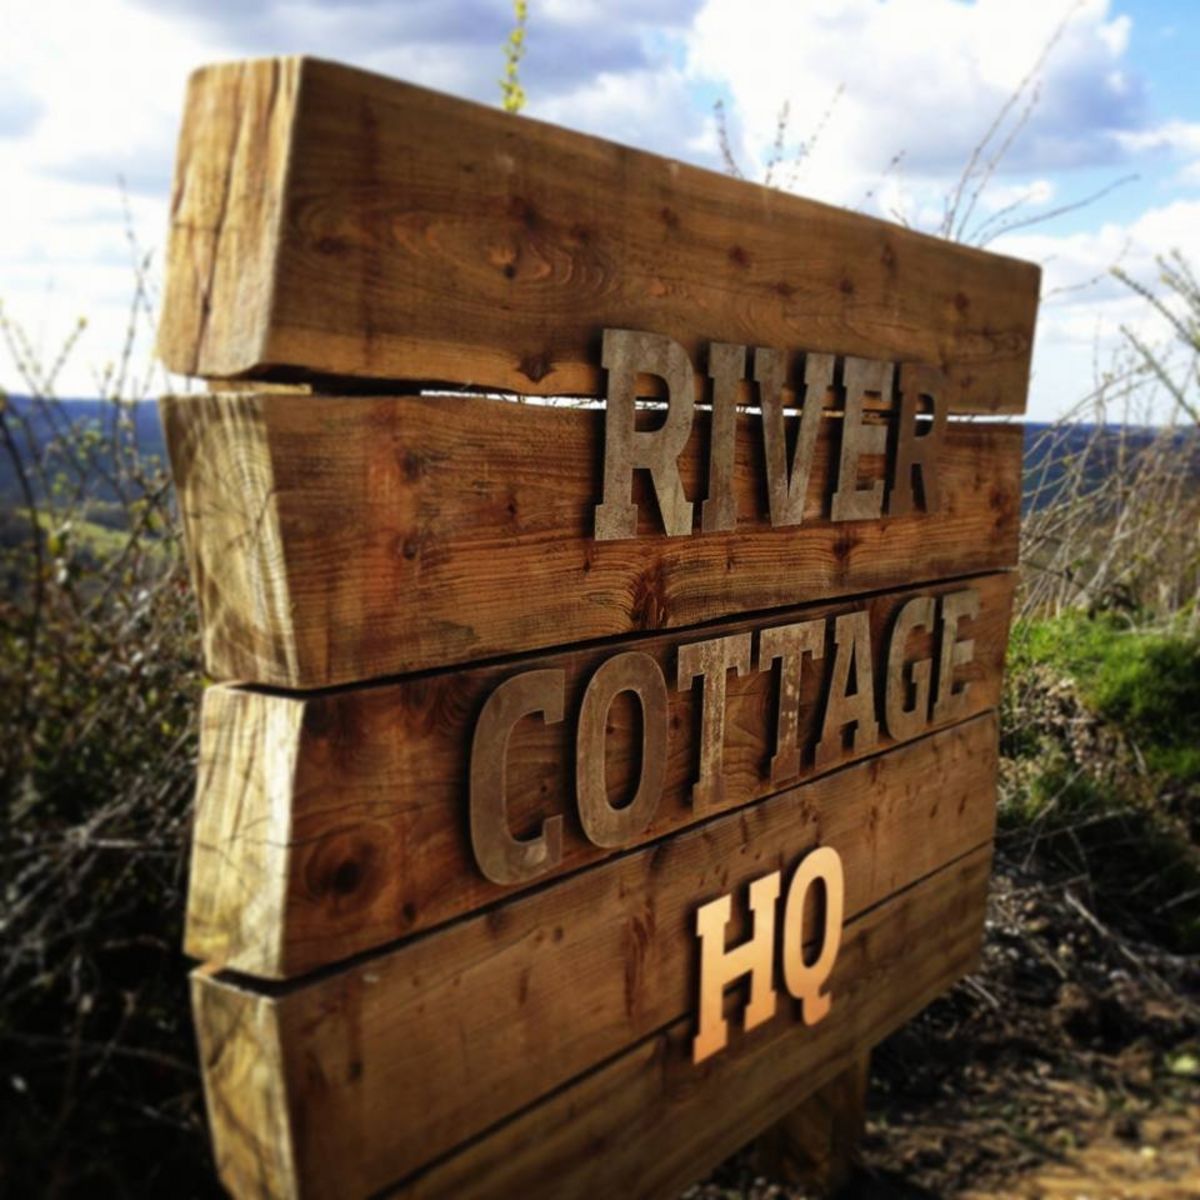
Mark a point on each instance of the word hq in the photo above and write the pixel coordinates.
(720, 967)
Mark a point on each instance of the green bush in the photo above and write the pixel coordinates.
(1100, 767)
(1146, 682)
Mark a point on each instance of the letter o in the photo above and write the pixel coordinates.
(603, 824)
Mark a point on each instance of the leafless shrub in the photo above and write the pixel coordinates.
(1112, 509)
(99, 685)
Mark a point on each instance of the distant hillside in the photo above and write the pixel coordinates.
(47, 422)
(1055, 453)
(1046, 458)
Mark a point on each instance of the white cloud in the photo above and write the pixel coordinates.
(109, 79)
(1170, 135)
(922, 77)
(924, 80)
(650, 109)
(1084, 306)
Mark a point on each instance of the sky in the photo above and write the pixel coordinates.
(886, 102)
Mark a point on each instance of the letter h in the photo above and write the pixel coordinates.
(720, 967)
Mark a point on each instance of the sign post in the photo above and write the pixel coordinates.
(585, 786)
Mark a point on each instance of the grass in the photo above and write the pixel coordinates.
(1146, 682)
(1101, 765)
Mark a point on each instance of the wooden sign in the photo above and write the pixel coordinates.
(582, 787)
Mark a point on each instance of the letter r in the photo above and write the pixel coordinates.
(627, 354)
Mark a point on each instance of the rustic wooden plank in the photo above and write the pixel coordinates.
(645, 1124)
(337, 540)
(227, 206)
(650, 1123)
(814, 1144)
(417, 236)
(245, 1090)
(242, 830)
(330, 824)
(394, 1061)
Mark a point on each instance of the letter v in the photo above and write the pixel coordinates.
(786, 489)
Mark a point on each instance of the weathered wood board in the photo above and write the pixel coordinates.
(327, 221)
(334, 540)
(337, 820)
(649, 1123)
(386, 1065)
(584, 785)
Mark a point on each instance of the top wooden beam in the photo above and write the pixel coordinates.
(326, 221)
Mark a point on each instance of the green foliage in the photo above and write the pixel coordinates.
(1100, 778)
(512, 94)
(1146, 682)
(1058, 785)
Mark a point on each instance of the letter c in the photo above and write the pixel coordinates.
(502, 857)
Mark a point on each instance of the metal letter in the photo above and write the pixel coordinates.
(918, 454)
(951, 704)
(726, 368)
(786, 490)
(720, 967)
(805, 980)
(629, 672)
(852, 633)
(850, 502)
(904, 720)
(789, 643)
(501, 857)
(625, 355)
(713, 660)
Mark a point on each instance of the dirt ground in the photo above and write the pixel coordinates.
(1067, 1066)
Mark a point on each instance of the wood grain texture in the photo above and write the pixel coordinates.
(645, 1123)
(649, 1123)
(246, 791)
(331, 824)
(397, 1060)
(814, 1144)
(245, 1089)
(333, 541)
(418, 236)
(226, 209)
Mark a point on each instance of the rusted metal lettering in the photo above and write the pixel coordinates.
(789, 644)
(906, 703)
(713, 660)
(627, 354)
(852, 636)
(861, 377)
(788, 487)
(951, 702)
(501, 857)
(603, 824)
(726, 368)
(917, 454)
